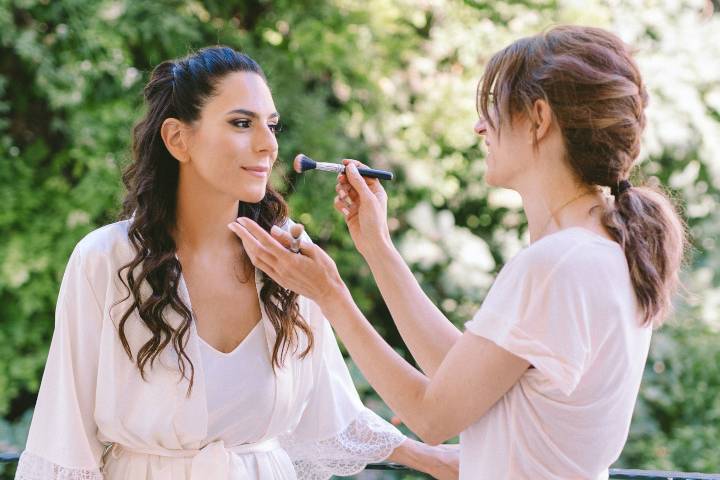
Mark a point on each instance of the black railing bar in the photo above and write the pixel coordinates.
(615, 473)
(661, 474)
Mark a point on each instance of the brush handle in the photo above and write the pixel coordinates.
(374, 173)
(309, 164)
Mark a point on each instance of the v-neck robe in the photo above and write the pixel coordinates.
(97, 418)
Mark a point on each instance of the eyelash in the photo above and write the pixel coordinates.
(274, 127)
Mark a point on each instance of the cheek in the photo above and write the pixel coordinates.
(226, 143)
(220, 150)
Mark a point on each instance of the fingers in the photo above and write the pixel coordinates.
(341, 206)
(258, 254)
(262, 238)
(277, 243)
(283, 237)
(359, 164)
(346, 192)
(346, 200)
(349, 210)
(262, 248)
(309, 249)
(297, 230)
(373, 183)
(357, 182)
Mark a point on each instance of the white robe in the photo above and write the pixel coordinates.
(96, 418)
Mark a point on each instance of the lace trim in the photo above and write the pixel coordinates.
(367, 439)
(34, 467)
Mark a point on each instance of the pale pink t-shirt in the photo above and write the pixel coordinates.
(565, 304)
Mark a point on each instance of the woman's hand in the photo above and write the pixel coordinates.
(363, 203)
(311, 272)
(441, 461)
(447, 462)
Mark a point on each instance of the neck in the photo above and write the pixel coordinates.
(556, 206)
(202, 217)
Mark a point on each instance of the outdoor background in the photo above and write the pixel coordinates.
(391, 83)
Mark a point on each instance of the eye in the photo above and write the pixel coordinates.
(275, 127)
(241, 123)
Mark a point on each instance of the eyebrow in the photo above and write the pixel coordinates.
(250, 113)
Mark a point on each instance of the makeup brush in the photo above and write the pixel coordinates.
(303, 163)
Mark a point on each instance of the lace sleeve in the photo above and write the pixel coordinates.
(367, 439)
(34, 467)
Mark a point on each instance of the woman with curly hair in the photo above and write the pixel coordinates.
(172, 356)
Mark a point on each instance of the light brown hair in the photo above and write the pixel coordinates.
(593, 87)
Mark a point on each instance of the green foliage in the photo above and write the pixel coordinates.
(676, 420)
(389, 82)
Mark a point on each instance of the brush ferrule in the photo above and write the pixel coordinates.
(329, 167)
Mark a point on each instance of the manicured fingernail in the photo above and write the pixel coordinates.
(346, 212)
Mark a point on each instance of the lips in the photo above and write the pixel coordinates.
(257, 171)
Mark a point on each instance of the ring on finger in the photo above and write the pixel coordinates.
(295, 245)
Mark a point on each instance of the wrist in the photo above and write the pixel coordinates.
(336, 301)
(415, 455)
(379, 251)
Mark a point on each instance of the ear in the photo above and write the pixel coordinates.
(542, 118)
(175, 137)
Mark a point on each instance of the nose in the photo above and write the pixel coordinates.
(481, 127)
(265, 141)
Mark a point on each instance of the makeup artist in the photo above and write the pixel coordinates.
(543, 380)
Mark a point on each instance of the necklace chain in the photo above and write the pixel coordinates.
(558, 209)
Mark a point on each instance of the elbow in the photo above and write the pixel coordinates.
(433, 434)
(432, 441)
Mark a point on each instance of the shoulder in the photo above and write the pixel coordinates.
(107, 245)
(94, 262)
(576, 254)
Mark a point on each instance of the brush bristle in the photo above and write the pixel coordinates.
(302, 163)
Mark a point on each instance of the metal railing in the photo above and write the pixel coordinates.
(615, 473)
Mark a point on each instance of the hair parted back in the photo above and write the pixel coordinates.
(179, 89)
(594, 88)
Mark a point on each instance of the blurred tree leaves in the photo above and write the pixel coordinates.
(389, 82)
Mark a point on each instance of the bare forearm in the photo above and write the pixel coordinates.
(427, 332)
(396, 381)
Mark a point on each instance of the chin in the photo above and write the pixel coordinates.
(498, 179)
(252, 197)
(256, 195)
(490, 179)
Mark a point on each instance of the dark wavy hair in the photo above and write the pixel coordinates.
(179, 89)
(593, 86)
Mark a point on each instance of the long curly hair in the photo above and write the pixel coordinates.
(179, 89)
(588, 77)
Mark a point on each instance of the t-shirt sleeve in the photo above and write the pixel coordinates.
(538, 310)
